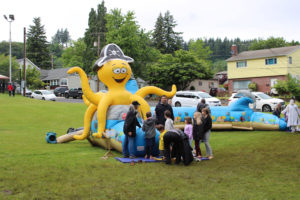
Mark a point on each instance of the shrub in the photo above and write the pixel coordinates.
(252, 86)
(281, 87)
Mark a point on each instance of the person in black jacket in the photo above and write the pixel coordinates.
(277, 110)
(160, 109)
(202, 105)
(129, 130)
(180, 147)
(204, 136)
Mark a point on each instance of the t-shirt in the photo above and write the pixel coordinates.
(161, 140)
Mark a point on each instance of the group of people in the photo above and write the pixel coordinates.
(11, 88)
(291, 115)
(172, 142)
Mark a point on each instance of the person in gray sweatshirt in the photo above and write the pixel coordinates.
(150, 133)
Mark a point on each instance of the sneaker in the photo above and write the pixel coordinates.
(132, 157)
(210, 157)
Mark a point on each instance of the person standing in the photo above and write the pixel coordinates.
(292, 112)
(129, 130)
(188, 129)
(150, 133)
(204, 137)
(160, 109)
(197, 132)
(10, 89)
(169, 124)
(277, 110)
(202, 105)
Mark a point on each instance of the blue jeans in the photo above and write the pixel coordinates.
(128, 144)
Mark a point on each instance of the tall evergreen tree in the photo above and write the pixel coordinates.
(96, 28)
(37, 45)
(164, 37)
(158, 34)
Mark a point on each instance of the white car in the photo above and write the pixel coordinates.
(192, 98)
(43, 95)
(264, 102)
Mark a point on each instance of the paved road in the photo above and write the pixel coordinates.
(71, 100)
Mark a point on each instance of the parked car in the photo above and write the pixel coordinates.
(19, 90)
(60, 91)
(192, 98)
(43, 95)
(264, 102)
(73, 92)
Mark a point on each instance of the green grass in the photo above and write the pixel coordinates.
(247, 164)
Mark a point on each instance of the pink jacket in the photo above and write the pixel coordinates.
(188, 130)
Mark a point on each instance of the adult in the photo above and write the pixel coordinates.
(180, 147)
(292, 113)
(277, 110)
(160, 109)
(170, 102)
(202, 104)
(10, 89)
(129, 130)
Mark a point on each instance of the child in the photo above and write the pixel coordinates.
(197, 132)
(188, 129)
(162, 131)
(207, 124)
(169, 122)
(150, 133)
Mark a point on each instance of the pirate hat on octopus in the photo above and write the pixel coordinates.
(110, 52)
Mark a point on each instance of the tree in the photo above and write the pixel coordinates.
(17, 49)
(96, 30)
(182, 69)
(165, 38)
(33, 80)
(293, 87)
(199, 48)
(73, 55)
(37, 45)
(281, 87)
(271, 42)
(124, 31)
(4, 67)
(219, 65)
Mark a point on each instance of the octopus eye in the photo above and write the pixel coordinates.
(123, 70)
(117, 71)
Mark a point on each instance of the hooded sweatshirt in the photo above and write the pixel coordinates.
(149, 127)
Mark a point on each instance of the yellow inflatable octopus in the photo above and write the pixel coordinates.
(114, 71)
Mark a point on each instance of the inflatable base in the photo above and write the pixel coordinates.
(136, 160)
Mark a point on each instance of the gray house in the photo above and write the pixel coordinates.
(28, 64)
(60, 78)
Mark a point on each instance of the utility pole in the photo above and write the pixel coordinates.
(51, 60)
(24, 65)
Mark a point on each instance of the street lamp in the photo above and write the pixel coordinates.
(11, 19)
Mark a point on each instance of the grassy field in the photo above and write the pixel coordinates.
(247, 165)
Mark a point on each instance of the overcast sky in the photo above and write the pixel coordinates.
(246, 19)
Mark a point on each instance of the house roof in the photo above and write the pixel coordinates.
(28, 62)
(264, 53)
(54, 74)
(2, 77)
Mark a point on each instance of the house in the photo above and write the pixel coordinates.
(60, 78)
(28, 64)
(263, 67)
(203, 85)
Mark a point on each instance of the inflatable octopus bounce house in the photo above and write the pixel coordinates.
(105, 113)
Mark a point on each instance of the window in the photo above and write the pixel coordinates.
(200, 83)
(240, 64)
(271, 61)
(64, 82)
(290, 60)
(240, 85)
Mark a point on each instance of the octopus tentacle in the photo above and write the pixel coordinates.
(101, 116)
(143, 92)
(87, 122)
(87, 91)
